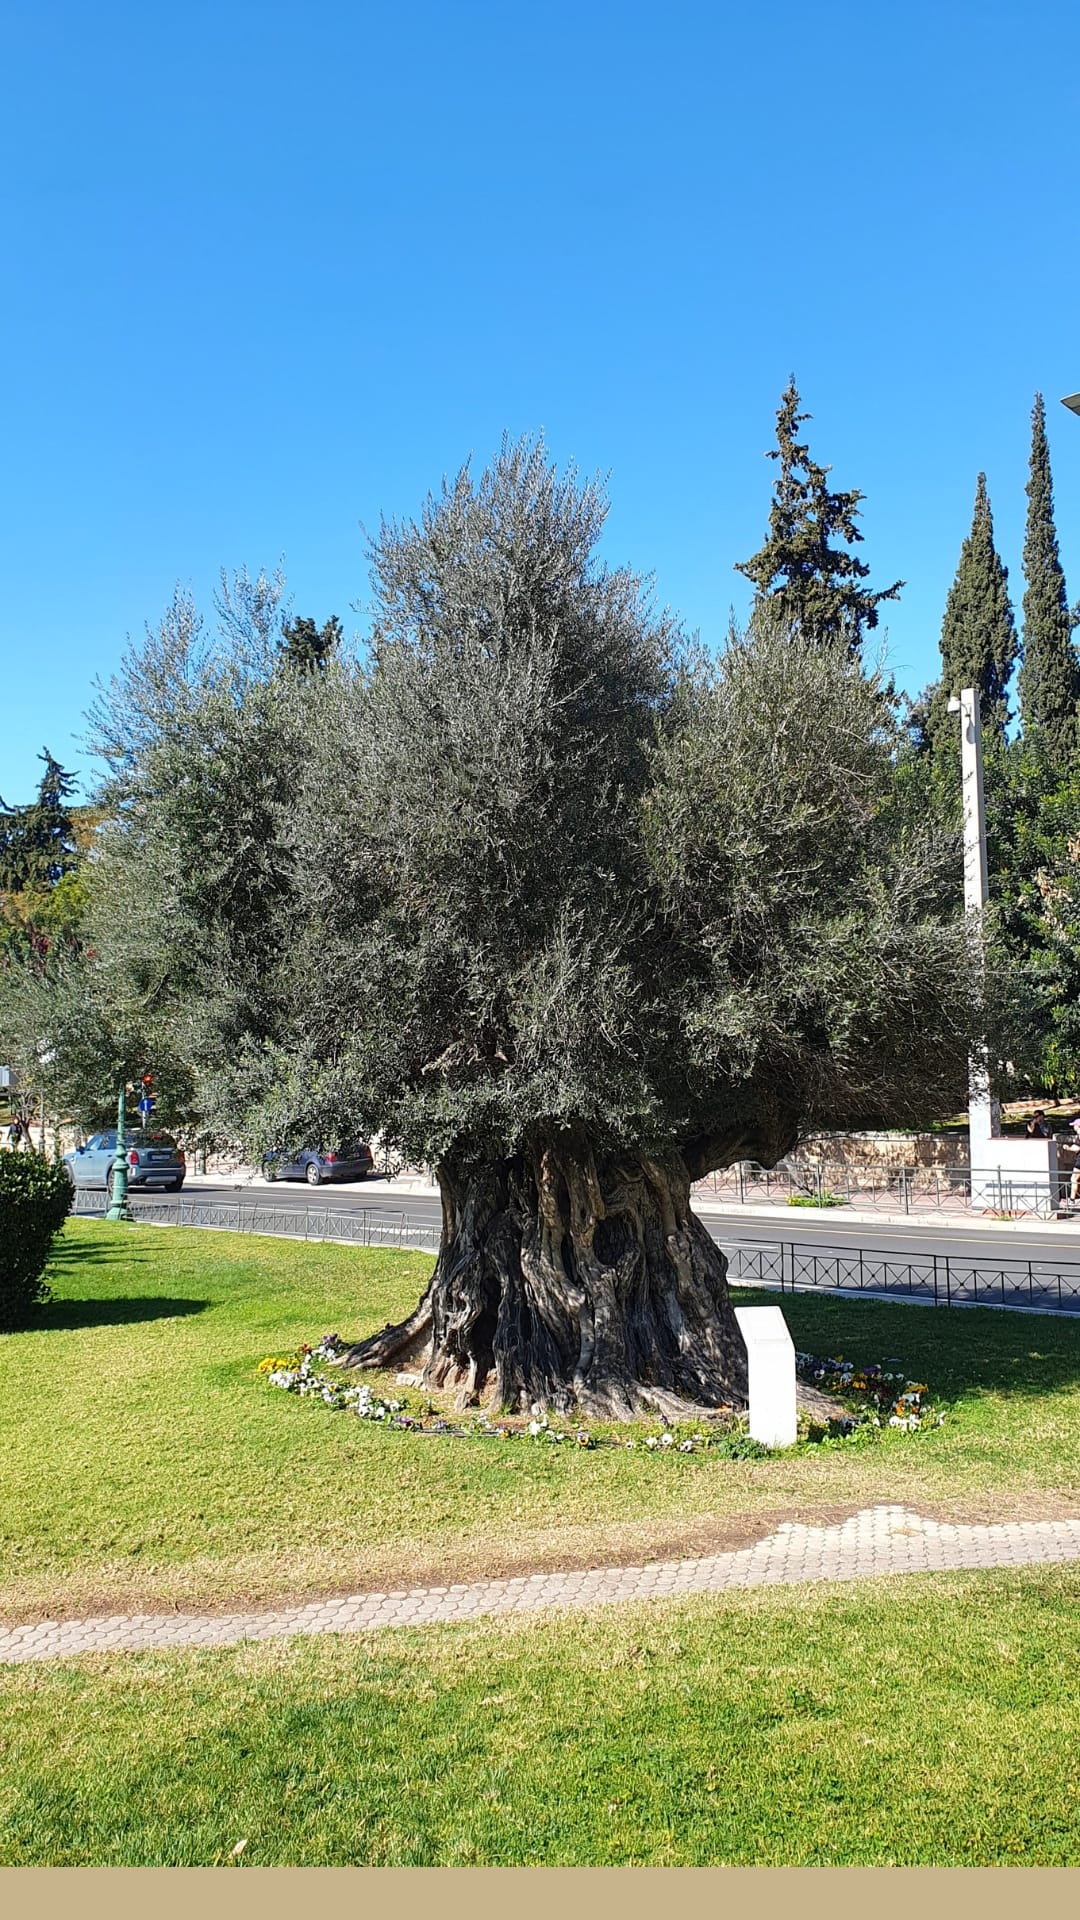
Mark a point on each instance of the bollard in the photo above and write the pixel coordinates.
(770, 1354)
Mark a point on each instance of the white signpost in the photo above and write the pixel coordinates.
(770, 1353)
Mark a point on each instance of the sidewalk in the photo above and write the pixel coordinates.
(784, 1219)
(879, 1540)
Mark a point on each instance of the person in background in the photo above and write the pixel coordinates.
(1038, 1127)
(1074, 1184)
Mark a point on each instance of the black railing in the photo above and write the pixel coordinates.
(888, 1189)
(936, 1279)
(356, 1226)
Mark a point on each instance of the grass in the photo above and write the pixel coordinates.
(145, 1465)
(929, 1720)
(922, 1720)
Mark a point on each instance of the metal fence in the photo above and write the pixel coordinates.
(356, 1226)
(935, 1279)
(904, 1190)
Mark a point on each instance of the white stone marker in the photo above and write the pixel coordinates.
(770, 1352)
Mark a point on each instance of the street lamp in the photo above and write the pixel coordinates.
(119, 1210)
(1072, 401)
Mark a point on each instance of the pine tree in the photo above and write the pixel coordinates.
(37, 842)
(307, 647)
(1049, 679)
(815, 585)
(978, 632)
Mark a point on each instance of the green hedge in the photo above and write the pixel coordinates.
(35, 1200)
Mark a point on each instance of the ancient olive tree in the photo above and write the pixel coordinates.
(577, 917)
(557, 905)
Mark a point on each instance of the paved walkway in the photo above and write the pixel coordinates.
(876, 1541)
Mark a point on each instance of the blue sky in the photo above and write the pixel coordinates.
(272, 269)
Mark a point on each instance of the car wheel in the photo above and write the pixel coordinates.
(174, 1186)
(270, 1173)
(312, 1174)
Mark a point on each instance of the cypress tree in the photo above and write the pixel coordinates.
(804, 567)
(978, 632)
(1049, 679)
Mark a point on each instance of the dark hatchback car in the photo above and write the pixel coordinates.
(153, 1160)
(315, 1166)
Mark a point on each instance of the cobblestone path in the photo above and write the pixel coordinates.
(879, 1540)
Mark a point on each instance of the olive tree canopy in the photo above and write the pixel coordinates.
(584, 916)
(562, 908)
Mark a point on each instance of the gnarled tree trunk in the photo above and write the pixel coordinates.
(572, 1280)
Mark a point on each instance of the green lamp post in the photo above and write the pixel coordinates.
(119, 1210)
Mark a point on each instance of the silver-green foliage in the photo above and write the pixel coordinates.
(534, 866)
(560, 872)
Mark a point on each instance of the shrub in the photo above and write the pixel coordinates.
(824, 1199)
(35, 1200)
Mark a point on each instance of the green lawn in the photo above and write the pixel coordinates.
(923, 1720)
(145, 1463)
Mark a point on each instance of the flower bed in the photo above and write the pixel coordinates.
(868, 1398)
(878, 1396)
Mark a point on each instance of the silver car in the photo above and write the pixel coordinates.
(153, 1160)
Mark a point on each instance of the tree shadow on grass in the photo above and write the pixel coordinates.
(68, 1268)
(55, 1316)
(71, 1257)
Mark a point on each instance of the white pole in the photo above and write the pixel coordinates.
(984, 1114)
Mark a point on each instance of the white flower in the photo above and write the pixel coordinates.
(666, 1440)
(651, 1441)
(534, 1428)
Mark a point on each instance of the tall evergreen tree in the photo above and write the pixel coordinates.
(307, 647)
(978, 632)
(1049, 679)
(805, 568)
(37, 842)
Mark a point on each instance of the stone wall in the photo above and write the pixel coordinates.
(881, 1152)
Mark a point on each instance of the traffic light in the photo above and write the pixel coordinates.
(146, 1099)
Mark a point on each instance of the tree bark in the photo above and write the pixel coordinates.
(572, 1281)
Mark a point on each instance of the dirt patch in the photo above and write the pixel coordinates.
(206, 1589)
